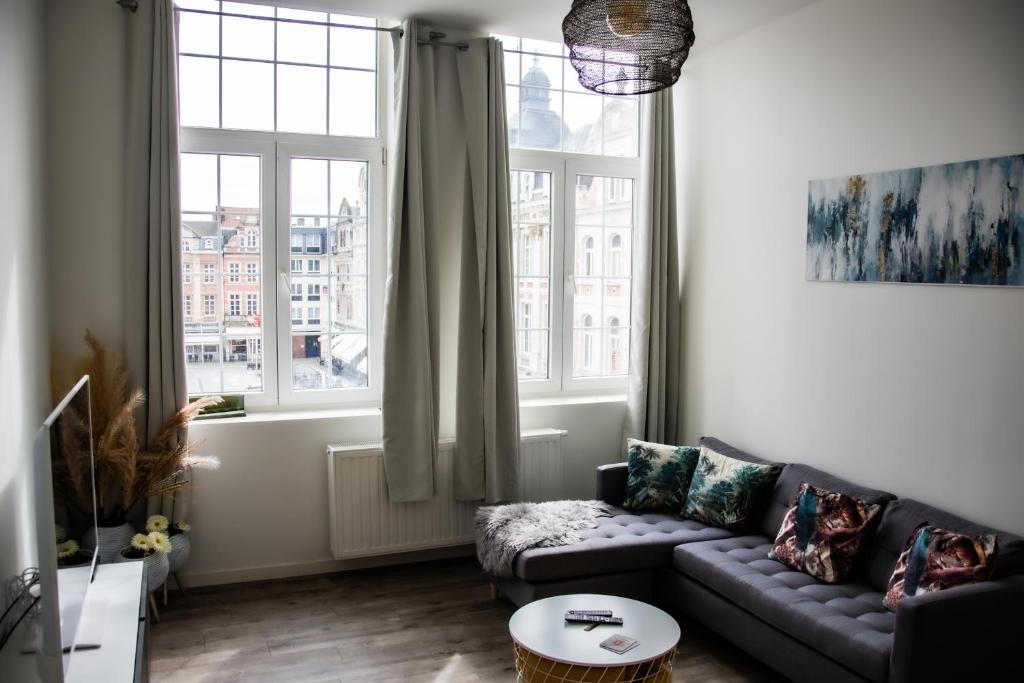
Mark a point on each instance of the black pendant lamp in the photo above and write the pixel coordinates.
(628, 47)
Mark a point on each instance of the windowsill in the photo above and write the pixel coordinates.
(284, 415)
(281, 415)
(571, 400)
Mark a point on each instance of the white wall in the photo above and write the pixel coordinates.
(86, 81)
(263, 514)
(916, 389)
(24, 278)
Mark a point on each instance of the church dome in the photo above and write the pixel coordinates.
(535, 76)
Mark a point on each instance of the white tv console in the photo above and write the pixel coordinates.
(115, 618)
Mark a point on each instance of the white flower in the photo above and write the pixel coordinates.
(159, 542)
(66, 549)
(140, 542)
(156, 523)
(183, 526)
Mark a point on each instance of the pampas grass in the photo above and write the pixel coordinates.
(126, 473)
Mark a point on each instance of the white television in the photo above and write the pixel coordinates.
(65, 506)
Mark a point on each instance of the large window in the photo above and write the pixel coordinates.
(575, 164)
(282, 194)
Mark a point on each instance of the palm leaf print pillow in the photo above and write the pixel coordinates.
(658, 475)
(726, 492)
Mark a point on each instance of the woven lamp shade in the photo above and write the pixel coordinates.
(628, 47)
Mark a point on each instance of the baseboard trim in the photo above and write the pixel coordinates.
(298, 569)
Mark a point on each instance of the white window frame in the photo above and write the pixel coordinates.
(564, 167)
(275, 150)
(352, 149)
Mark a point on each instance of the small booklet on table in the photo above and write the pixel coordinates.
(619, 643)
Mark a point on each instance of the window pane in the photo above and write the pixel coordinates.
(301, 43)
(199, 91)
(208, 5)
(512, 61)
(348, 304)
(348, 361)
(248, 95)
(532, 348)
(252, 38)
(531, 215)
(353, 47)
(583, 116)
(602, 267)
(328, 246)
(302, 99)
(198, 33)
(353, 102)
(621, 126)
(221, 273)
(512, 110)
(309, 187)
(199, 182)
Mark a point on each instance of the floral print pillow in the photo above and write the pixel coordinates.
(658, 475)
(822, 532)
(935, 559)
(726, 492)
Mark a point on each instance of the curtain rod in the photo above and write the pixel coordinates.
(396, 30)
(436, 37)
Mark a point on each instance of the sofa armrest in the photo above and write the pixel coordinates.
(969, 632)
(611, 483)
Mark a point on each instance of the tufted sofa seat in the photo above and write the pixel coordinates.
(625, 541)
(846, 622)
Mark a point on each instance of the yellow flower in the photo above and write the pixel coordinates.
(66, 549)
(183, 526)
(140, 542)
(159, 542)
(156, 523)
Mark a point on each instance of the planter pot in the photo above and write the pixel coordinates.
(80, 559)
(181, 548)
(155, 566)
(108, 541)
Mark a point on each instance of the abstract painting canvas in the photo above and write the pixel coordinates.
(959, 223)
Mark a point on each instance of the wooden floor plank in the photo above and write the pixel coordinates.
(423, 623)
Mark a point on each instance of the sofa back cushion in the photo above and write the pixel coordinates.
(902, 517)
(788, 484)
(732, 452)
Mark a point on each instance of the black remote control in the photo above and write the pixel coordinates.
(590, 612)
(593, 620)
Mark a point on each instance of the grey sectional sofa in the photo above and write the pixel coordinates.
(805, 629)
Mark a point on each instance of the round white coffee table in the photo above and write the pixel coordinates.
(550, 650)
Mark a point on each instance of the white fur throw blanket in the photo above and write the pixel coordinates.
(503, 531)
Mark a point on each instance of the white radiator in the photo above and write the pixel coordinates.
(363, 523)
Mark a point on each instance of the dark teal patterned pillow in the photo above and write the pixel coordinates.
(726, 492)
(658, 476)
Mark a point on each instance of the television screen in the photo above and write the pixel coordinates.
(69, 430)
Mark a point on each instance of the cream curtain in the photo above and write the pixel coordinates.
(154, 324)
(448, 321)
(487, 408)
(655, 380)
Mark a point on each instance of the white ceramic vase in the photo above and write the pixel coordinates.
(108, 541)
(181, 548)
(155, 566)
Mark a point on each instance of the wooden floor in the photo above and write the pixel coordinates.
(420, 623)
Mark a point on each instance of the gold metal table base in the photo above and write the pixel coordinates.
(534, 668)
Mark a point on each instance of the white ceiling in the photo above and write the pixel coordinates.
(714, 20)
